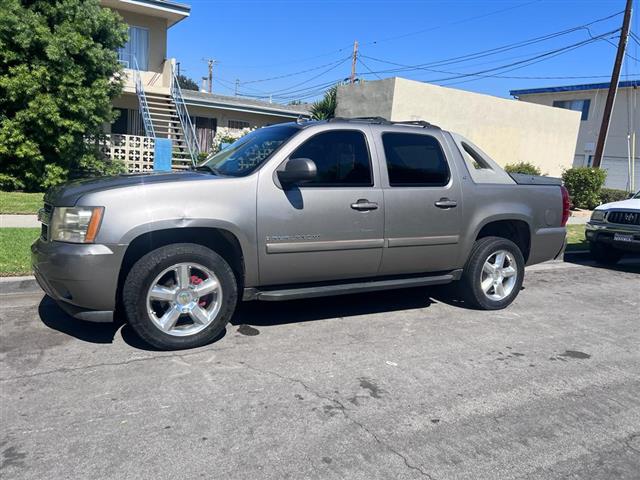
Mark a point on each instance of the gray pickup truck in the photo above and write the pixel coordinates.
(293, 211)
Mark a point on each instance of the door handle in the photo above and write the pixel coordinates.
(446, 203)
(364, 205)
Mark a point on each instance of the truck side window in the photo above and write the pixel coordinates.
(341, 157)
(414, 160)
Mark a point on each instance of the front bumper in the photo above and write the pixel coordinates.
(82, 278)
(598, 232)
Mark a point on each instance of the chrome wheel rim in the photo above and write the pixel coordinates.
(499, 275)
(184, 299)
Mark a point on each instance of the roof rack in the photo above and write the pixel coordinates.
(378, 120)
(384, 121)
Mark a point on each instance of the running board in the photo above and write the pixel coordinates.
(295, 293)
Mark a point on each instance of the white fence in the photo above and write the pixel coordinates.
(134, 150)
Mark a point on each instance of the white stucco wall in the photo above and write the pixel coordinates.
(624, 119)
(508, 130)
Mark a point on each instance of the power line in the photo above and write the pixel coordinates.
(365, 66)
(292, 74)
(495, 50)
(457, 22)
(461, 74)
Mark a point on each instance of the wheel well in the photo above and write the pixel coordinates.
(515, 230)
(221, 241)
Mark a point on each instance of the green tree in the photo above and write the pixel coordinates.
(326, 107)
(187, 83)
(59, 72)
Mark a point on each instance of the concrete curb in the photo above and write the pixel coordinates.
(11, 285)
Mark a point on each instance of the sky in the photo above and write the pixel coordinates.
(291, 50)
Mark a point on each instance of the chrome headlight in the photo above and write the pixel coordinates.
(75, 224)
(598, 215)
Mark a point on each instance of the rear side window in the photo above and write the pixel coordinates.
(341, 157)
(414, 160)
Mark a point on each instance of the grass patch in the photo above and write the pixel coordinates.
(575, 238)
(15, 250)
(20, 202)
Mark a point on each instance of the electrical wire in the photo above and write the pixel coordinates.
(497, 50)
(341, 60)
(525, 62)
(365, 66)
(457, 22)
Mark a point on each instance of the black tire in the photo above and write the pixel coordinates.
(145, 271)
(470, 282)
(605, 254)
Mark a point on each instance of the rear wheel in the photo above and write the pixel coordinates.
(604, 254)
(493, 274)
(180, 296)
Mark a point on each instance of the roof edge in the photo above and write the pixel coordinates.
(573, 88)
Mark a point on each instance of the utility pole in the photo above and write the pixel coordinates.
(178, 67)
(237, 85)
(210, 63)
(613, 86)
(354, 59)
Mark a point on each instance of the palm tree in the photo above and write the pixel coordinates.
(326, 107)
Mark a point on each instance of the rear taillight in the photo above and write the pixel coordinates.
(566, 204)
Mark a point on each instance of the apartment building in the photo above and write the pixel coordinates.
(589, 100)
(154, 109)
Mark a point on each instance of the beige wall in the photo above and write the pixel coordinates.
(625, 118)
(158, 73)
(507, 130)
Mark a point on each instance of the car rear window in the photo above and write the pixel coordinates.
(414, 160)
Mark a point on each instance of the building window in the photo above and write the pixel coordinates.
(136, 49)
(414, 160)
(577, 105)
(238, 124)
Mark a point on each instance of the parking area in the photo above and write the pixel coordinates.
(401, 384)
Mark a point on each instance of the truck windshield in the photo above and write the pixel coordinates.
(247, 153)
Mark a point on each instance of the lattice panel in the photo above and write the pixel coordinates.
(134, 150)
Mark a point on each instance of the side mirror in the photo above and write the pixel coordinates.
(297, 171)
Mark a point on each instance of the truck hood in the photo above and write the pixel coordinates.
(630, 204)
(69, 193)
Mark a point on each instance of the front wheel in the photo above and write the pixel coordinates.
(180, 296)
(493, 274)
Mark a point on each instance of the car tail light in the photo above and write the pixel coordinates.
(566, 204)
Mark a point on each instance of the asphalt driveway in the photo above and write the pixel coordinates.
(394, 385)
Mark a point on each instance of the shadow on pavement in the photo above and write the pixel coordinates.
(297, 311)
(257, 313)
(57, 319)
(630, 263)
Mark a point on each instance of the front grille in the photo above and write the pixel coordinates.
(624, 218)
(44, 215)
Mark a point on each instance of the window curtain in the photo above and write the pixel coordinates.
(137, 47)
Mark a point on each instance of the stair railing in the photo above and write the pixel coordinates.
(190, 138)
(142, 101)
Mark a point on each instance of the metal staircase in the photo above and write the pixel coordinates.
(166, 116)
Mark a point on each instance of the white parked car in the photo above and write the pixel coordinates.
(614, 229)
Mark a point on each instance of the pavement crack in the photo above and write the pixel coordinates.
(345, 412)
(98, 365)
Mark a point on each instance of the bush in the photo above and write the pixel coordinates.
(584, 185)
(608, 195)
(523, 167)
